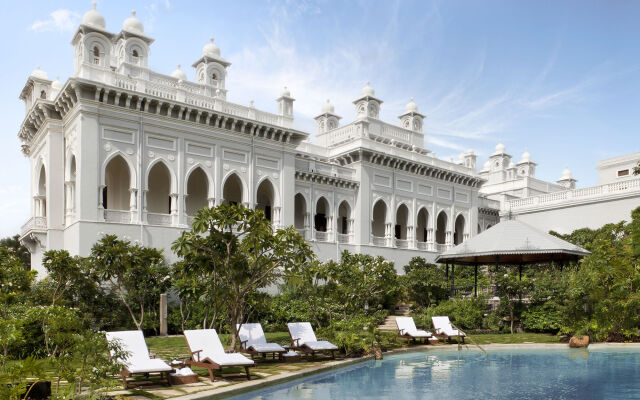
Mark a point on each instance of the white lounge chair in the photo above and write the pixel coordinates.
(407, 329)
(207, 352)
(138, 359)
(254, 342)
(304, 339)
(444, 328)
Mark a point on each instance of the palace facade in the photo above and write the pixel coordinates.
(119, 148)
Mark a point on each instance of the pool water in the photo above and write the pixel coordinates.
(457, 375)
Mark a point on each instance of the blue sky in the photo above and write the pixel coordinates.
(560, 79)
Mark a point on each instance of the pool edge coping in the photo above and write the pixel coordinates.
(250, 386)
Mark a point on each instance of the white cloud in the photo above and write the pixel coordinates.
(61, 20)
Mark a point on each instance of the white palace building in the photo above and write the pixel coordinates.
(122, 149)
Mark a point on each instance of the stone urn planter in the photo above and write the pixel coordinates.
(579, 341)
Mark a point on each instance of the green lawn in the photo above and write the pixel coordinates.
(515, 338)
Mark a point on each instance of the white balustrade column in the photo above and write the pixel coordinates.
(133, 204)
(101, 202)
(174, 208)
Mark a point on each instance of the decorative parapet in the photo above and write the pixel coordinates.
(590, 194)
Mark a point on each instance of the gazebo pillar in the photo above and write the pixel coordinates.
(475, 281)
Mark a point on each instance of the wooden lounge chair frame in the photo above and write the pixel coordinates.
(254, 352)
(409, 337)
(125, 373)
(295, 345)
(209, 364)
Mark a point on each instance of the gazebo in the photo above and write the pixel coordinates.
(510, 242)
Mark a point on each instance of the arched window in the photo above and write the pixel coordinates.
(265, 198)
(96, 55)
(421, 225)
(41, 201)
(43, 94)
(300, 205)
(458, 234)
(441, 229)
(232, 191)
(158, 196)
(379, 219)
(344, 215)
(197, 191)
(214, 77)
(322, 212)
(402, 216)
(71, 188)
(115, 195)
(134, 53)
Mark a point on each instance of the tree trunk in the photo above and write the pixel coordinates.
(511, 319)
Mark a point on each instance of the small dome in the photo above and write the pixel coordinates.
(38, 73)
(511, 164)
(328, 107)
(211, 50)
(133, 24)
(179, 74)
(368, 90)
(500, 148)
(56, 85)
(411, 106)
(285, 92)
(94, 18)
(470, 152)
(566, 174)
(486, 165)
(526, 157)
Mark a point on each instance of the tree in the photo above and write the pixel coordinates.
(62, 272)
(13, 244)
(425, 283)
(15, 281)
(512, 289)
(136, 273)
(236, 249)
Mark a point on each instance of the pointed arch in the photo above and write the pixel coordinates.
(116, 183)
(210, 185)
(402, 220)
(266, 197)
(159, 191)
(441, 227)
(234, 189)
(130, 167)
(344, 215)
(197, 190)
(322, 212)
(173, 180)
(459, 226)
(300, 211)
(379, 218)
(422, 224)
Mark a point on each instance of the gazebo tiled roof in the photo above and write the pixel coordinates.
(512, 242)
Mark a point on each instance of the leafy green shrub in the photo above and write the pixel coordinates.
(542, 318)
(358, 335)
(467, 313)
(425, 284)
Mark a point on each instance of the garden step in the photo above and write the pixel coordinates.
(389, 324)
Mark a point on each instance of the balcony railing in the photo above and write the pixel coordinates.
(119, 216)
(441, 247)
(322, 236)
(344, 237)
(34, 223)
(402, 243)
(379, 241)
(421, 245)
(158, 219)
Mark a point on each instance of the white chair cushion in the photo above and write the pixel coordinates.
(208, 342)
(442, 325)
(407, 326)
(252, 334)
(267, 348)
(151, 365)
(138, 359)
(229, 359)
(321, 345)
(302, 331)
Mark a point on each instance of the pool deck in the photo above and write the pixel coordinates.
(283, 377)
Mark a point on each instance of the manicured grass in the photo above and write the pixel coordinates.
(506, 338)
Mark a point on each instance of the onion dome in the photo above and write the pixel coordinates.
(511, 165)
(56, 85)
(566, 174)
(368, 90)
(470, 152)
(94, 18)
(211, 50)
(38, 73)
(328, 107)
(486, 165)
(411, 106)
(285, 92)
(133, 24)
(500, 148)
(526, 157)
(179, 74)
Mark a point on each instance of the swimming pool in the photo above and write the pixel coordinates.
(540, 373)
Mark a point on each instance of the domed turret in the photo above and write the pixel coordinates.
(133, 24)
(411, 106)
(38, 73)
(500, 148)
(56, 85)
(526, 157)
(211, 50)
(179, 74)
(367, 90)
(94, 18)
(328, 107)
(511, 165)
(566, 174)
(285, 92)
(486, 166)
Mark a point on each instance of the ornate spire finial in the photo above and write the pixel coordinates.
(94, 4)
(133, 13)
(211, 39)
(412, 99)
(178, 66)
